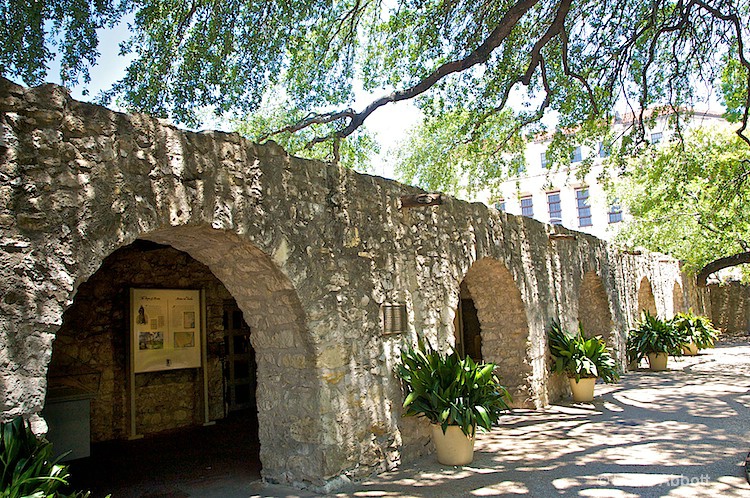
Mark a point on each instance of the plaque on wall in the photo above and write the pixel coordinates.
(165, 329)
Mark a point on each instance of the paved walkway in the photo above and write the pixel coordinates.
(684, 432)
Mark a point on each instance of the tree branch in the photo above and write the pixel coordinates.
(553, 30)
(720, 264)
(478, 56)
(734, 19)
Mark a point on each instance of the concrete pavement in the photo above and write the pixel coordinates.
(683, 432)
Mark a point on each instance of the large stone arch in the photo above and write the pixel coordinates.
(593, 308)
(646, 300)
(287, 385)
(504, 326)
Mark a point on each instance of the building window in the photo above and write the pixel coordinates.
(603, 150)
(584, 208)
(500, 205)
(615, 212)
(544, 160)
(527, 206)
(555, 209)
(656, 137)
(576, 156)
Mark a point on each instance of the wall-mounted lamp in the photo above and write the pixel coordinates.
(394, 318)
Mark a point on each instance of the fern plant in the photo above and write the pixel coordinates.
(578, 357)
(450, 390)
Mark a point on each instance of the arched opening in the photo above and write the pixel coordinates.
(646, 299)
(468, 330)
(678, 299)
(593, 308)
(249, 307)
(502, 325)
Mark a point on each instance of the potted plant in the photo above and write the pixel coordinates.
(655, 339)
(581, 360)
(697, 332)
(455, 394)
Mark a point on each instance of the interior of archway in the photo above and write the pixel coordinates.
(90, 366)
(468, 330)
(646, 299)
(593, 308)
(91, 348)
(504, 326)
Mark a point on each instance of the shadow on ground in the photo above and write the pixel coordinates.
(680, 433)
(683, 432)
(200, 461)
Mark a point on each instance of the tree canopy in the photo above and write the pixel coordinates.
(689, 200)
(578, 58)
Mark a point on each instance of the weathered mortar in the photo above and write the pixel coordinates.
(329, 246)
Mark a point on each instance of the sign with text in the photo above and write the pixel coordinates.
(165, 329)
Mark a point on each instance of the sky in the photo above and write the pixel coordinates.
(390, 123)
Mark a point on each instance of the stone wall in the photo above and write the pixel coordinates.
(309, 251)
(729, 306)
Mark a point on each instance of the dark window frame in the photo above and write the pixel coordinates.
(528, 209)
(583, 207)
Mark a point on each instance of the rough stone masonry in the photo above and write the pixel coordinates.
(310, 252)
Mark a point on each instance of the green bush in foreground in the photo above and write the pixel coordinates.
(27, 465)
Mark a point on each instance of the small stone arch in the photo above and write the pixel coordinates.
(504, 325)
(678, 299)
(646, 299)
(594, 313)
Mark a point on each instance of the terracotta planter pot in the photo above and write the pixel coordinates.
(583, 390)
(658, 361)
(689, 349)
(454, 447)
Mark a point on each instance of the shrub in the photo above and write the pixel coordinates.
(653, 335)
(578, 357)
(450, 390)
(27, 466)
(695, 328)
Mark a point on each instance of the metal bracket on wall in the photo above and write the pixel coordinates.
(421, 200)
(562, 236)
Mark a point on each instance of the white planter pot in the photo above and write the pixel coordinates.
(583, 390)
(658, 361)
(454, 447)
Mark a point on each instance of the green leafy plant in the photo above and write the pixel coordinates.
(696, 329)
(578, 357)
(450, 390)
(653, 335)
(27, 467)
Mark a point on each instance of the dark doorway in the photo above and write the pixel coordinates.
(467, 328)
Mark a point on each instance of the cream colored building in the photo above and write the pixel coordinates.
(568, 197)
